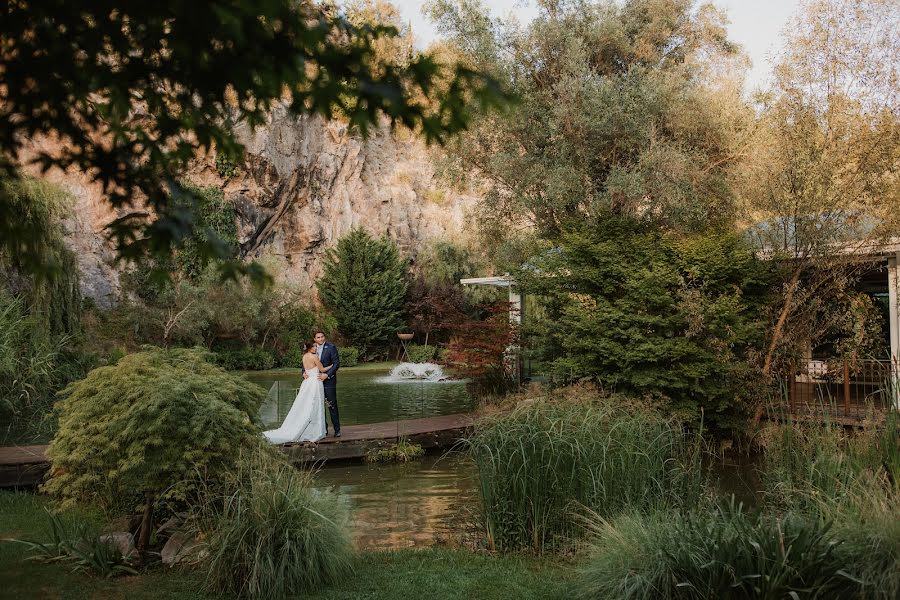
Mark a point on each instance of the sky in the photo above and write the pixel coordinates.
(755, 24)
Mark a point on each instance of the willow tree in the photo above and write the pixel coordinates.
(624, 109)
(822, 173)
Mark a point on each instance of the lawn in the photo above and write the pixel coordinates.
(435, 574)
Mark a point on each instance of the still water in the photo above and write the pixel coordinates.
(422, 503)
(367, 396)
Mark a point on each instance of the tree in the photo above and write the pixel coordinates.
(132, 93)
(364, 286)
(479, 347)
(822, 176)
(675, 318)
(138, 432)
(623, 109)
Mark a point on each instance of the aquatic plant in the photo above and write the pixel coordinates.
(539, 464)
(401, 452)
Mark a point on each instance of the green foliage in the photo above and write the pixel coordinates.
(421, 354)
(401, 452)
(539, 464)
(247, 358)
(34, 365)
(83, 548)
(720, 553)
(37, 208)
(133, 432)
(850, 480)
(192, 72)
(225, 167)
(295, 326)
(649, 314)
(621, 109)
(215, 222)
(271, 535)
(349, 356)
(364, 285)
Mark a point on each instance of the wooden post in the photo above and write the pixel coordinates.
(792, 388)
(846, 388)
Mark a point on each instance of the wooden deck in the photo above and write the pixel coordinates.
(26, 466)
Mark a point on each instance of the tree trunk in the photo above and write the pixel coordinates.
(776, 336)
(146, 528)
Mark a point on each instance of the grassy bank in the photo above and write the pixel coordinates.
(436, 574)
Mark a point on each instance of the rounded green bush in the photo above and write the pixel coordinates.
(146, 426)
(349, 356)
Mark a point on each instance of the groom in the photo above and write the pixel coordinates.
(328, 354)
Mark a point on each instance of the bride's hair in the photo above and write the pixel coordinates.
(308, 345)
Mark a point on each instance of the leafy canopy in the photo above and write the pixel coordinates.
(619, 111)
(132, 92)
(364, 287)
(147, 425)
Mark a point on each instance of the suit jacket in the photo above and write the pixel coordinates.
(331, 357)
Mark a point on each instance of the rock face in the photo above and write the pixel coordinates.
(305, 184)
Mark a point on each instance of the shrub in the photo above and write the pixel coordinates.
(364, 286)
(721, 553)
(538, 463)
(131, 434)
(478, 348)
(349, 356)
(248, 358)
(271, 535)
(421, 354)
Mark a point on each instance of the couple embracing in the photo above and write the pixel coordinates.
(305, 422)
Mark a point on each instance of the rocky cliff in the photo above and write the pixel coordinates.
(304, 184)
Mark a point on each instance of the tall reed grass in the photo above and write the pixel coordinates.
(850, 479)
(270, 535)
(540, 463)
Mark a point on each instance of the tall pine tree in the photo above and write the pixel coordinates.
(364, 286)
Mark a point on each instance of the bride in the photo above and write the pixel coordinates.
(305, 422)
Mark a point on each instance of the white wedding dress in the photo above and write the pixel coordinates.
(305, 422)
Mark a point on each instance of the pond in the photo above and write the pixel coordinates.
(421, 503)
(435, 500)
(367, 396)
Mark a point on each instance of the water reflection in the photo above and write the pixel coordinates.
(366, 397)
(401, 506)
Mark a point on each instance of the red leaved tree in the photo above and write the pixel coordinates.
(481, 348)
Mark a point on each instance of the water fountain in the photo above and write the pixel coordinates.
(408, 372)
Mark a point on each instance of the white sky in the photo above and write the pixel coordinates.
(755, 24)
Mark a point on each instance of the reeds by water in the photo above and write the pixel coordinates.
(542, 463)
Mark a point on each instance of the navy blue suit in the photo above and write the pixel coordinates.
(331, 357)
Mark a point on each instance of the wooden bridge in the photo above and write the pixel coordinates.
(26, 466)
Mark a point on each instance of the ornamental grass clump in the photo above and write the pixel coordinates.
(720, 553)
(850, 479)
(542, 463)
(271, 535)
